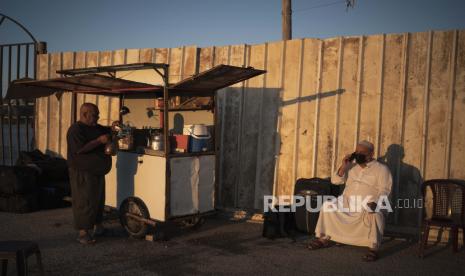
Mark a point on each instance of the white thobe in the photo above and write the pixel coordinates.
(357, 227)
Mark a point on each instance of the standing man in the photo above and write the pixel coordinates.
(88, 165)
(368, 183)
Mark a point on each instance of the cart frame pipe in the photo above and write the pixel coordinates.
(141, 219)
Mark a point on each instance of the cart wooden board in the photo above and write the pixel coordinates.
(192, 183)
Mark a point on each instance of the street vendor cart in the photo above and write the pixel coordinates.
(147, 184)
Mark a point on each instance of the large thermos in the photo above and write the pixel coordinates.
(200, 137)
(156, 142)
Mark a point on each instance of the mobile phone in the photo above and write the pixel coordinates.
(352, 157)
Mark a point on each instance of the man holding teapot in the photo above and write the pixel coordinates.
(88, 163)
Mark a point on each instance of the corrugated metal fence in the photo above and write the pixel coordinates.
(403, 92)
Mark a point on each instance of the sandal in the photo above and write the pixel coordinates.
(371, 256)
(318, 244)
(85, 239)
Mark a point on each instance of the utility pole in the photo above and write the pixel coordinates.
(286, 19)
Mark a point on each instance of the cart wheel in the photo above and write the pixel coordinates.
(135, 206)
(193, 222)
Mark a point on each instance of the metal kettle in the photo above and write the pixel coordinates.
(110, 148)
(156, 142)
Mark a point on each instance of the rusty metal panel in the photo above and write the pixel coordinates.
(457, 142)
(329, 68)
(442, 59)
(248, 133)
(42, 106)
(92, 60)
(289, 109)
(67, 107)
(55, 108)
(306, 123)
(104, 103)
(267, 135)
(230, 99)
(370, 91)
(348, 100)
(393, 106)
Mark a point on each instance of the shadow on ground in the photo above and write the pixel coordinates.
(220, 246)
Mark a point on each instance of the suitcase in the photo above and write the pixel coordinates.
(52, 198)
(18, 180)
(28, 157)
(278, 224)
(19, 203)
(53, 170)
(310, 188)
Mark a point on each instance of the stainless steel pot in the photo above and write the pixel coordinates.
(157, 142)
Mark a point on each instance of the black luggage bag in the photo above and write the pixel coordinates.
(18, 203)
(18, 189)
(278, 224)
(53, 169)
(309, 188)
(18, 180)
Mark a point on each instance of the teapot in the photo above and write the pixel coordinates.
(110, 148)
(156, 142)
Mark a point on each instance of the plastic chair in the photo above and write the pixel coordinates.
(19, 250)
(448, 209)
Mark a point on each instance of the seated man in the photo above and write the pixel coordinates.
(360, 223)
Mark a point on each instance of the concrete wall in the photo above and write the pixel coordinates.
(403, 92)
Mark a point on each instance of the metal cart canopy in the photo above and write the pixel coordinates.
(203, 84)
(91, 83)
(218, 77)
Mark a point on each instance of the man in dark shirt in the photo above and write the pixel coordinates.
(88, 165)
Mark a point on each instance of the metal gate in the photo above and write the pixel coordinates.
(17, 60)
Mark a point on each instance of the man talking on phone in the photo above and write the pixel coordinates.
(367, 181)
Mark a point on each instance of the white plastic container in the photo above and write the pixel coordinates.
(186, 130)
(199, 131)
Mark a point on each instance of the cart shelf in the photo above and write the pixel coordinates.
(190, 154)
(160, 153)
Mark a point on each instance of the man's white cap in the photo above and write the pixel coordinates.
(366, 144)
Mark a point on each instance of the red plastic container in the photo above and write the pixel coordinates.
(179, 143)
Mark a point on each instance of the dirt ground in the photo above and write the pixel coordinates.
(220, 246)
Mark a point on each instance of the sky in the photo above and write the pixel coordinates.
(114, 24)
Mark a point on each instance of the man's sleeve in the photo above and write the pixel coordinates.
(75, 139)
(105, 129)
(339, 180)
(385, 182)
